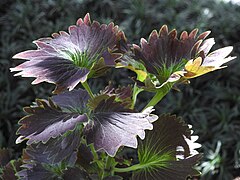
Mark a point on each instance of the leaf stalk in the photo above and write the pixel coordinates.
(88, 89)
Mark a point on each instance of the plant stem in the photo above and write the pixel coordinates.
(131, 168)
(108, 163)
(159, 95)
(108, 166)
(88, 89)
(136, 91)
(95, 156)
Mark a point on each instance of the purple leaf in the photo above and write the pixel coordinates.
(9, 171)
(58, 70)
(66, 59)
(85, 158)
(73, 101)
(164, 48)
(46, 121)
(112, 126)
(122, 94)
(40, 171)
(56, 150)
(36, 172)
(75, 173)
(155, 61)
(158, 152)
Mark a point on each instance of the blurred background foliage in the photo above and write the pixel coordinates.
(210, 103)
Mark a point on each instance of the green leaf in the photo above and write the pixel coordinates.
(159, 151)
(127, 61)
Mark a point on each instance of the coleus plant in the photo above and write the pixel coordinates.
(76, 134)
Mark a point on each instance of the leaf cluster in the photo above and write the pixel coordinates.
(23, 21)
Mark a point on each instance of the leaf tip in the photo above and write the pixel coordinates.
(20, 139)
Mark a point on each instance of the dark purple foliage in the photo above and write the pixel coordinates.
(36, 172)
(159, 151)
(67, 59)
(112, 126)
(63, 148)
(47, 121)
(164, 48)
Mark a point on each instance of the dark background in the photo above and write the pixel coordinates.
(210, 103)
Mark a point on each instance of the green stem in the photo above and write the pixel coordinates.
(136, 91)
(159, 95)
(95, 156)
(88, 89)
(131, 168)
(108, 162)
(108, 166)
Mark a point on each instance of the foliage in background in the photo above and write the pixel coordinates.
(211, 103)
